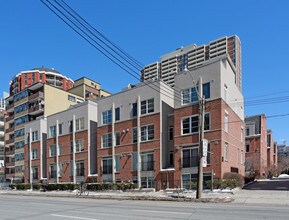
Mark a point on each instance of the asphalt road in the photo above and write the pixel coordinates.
(275, 184)
(33, 207)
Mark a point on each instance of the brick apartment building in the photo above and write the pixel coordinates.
(261, 151)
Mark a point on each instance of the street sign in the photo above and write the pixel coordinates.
(205, 147)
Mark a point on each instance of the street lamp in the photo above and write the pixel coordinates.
(199, 91)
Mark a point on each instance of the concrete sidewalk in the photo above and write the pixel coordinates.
(226, 196)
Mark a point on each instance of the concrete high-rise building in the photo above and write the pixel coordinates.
(195, 56)
(2, 100)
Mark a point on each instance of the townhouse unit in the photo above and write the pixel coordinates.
(193, 56)
(223, 121)
(132, 139)
(256, 145)
(62, 147)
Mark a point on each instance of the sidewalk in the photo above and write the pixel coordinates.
(227, 196)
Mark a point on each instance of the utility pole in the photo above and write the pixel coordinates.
(201, 139)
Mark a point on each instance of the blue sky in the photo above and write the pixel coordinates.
(31, 36)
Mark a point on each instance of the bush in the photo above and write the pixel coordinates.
(222, 184)
(235, 176)
(110, 186)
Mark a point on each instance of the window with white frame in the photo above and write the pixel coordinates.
(34, 173)
(79, 145)
(189, 96)
(53, 171)
(226, 122)
(34, 154)
(59, 149)
(117, 113)
(59, 129)
(134, 135)
(191, 124)
(80, 168)
(70, 124)
(134, 109)
(52, 131)
(107, 165)
(35, 136)
(106, 140)
(147, 161)
(226, 152)
(79, 124)
(60, 164)
(117, 138)
(117, 163)
(52, 150)
(147, 106)
(190, 157)
(106, 117)
(147, 133)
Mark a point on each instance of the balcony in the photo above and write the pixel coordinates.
(10, 130)
(37, 110)
(10, 118)
(9, 153)
(10, 164)
(10, 141)
(10, 176)
(37, 95)
(10, 108)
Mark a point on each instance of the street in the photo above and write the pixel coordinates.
(33, 207)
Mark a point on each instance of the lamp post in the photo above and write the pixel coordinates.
(199, 91)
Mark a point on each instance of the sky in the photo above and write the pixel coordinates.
(32, 36)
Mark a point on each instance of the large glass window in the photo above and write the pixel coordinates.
(147, 162)
(106, 166)
(52, 150)
(79, 124)
(147, 133)
(147, 106)
(190, 157)
(80, 168)
(107, 140)
(106, 117)
(191, 124)
(52, 131)
(79, 145)
(34, 154)
(117, 138)
(35, 136)
(190, 95)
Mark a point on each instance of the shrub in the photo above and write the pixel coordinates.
(235, 176)
(110, 186)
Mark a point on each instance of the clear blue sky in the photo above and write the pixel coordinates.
(31, 36)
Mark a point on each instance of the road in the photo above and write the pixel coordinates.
(43, 208)
(275, 184)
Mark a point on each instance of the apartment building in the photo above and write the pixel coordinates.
(62, 146)
(26, 104)
(256, 145)
(2, 146)
(88, 89)
(193, 56)
(223, 121)
(43, 75)
(132, 138)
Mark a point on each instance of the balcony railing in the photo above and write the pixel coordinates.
(36, 95)
(36, 110)
(10, 141)
(10, 118)
(10, 164)
(9, 130)
(9, 153)
(147, 166)
(9, 108)
(10, 176)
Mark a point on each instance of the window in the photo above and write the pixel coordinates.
(134, 161)
(106, 166)
(171, 162)
(19, 156)
(79, 124)
(134, 109)
(70, 126)
(59, 129)
(34, 154)
(147, 133)
(209, 154)
(106, 117)
(60, 169)
(117, 114)
(226, 124)
(247, 148)
(52, 131)
(207, 121)
(53, 171)
(80, 168)
(59, 149)
(34, 173)
(134, 135)
(225, 93)
(71, 168)
(79, 146)
(241, 136)
(247, 131)
(147, 106)
(71, 98)
(52, 150)
(71, 146)
(20, 132)
(188, 178)
(226, 152)
(19, 144)
(190, 157)
(117, 138)
(106, 140)
(35, 136)
(206, 90)
(117, 163)
(182, 62)
(147, 182)
(147, 162)
(189, 96)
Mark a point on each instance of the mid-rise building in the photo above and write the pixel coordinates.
(2, 146)
(272, 154)
(194, 56)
